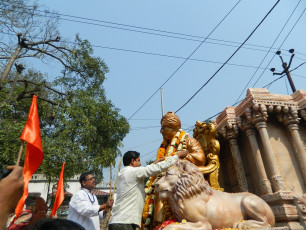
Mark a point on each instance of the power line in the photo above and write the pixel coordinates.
(188, 129)
(298, 75)
(139, 27)
(143, 28)
(184, 61)
(298, 67)
(150, 142)
(153, 54)
(264, 58)
(147, 127)
(227, 59)
(281, 45)
(269, 84)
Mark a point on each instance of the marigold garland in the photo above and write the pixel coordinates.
(165, 150)
(165, 223)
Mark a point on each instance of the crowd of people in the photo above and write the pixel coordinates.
(84, 210)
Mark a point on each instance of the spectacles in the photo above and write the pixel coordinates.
(91, 178)
(166, 129)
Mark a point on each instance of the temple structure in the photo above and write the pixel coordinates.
(263, 151)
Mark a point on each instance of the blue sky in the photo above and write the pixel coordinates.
(145, 43)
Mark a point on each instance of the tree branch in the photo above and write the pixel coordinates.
(35, 83)
(41, 98)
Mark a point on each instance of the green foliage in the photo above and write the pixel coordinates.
(78, 124)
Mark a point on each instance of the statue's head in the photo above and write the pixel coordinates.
(182, 180)
(165, 186)
(170, 124)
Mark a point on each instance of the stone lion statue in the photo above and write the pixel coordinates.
(192, 200)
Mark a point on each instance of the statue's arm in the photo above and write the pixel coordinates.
(196, 154)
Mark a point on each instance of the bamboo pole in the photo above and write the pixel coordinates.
(111, 195)
(20, 152)
(110, 178)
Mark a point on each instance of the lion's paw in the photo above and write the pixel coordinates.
(250, 224)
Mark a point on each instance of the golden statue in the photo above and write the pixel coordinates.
(175, 139)
(205, 133)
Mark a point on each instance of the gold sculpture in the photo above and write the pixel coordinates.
(195, 205)
(205, 133)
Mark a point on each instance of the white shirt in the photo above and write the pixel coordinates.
(129, 203)
(84, 210)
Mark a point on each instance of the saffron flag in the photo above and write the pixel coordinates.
(34, 153)
(60, 193)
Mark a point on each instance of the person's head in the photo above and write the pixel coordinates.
(56, 224)
(131, 158)
(170, 124)
(87, 181)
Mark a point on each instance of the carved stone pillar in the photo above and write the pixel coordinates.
(258, 117)
(290, 119)
(230, 133)
(248, 128)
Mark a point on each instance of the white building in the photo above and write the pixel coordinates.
(38, 186)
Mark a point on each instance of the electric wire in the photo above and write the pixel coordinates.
(154, 54)
(281, 45)
(189, 129)
(298, 75)
(143, 28)
(297, 67)
(264, 58)
(269, 84)
(183, 62)
(227, 59)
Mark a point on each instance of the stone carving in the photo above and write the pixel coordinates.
(300, 200)
(230, 132)
(197, 206)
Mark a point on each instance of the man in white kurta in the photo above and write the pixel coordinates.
(127, 211)
(84, 208)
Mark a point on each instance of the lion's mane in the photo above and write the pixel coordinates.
(190, 183)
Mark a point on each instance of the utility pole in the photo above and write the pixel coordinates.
(286, 68)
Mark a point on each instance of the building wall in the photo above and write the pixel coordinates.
(39, 184)
(263, 151)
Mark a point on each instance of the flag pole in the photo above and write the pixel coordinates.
(20, 152)
(115, 184)
(110, 178)
(112, 194)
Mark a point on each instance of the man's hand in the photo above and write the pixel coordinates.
(159, 160)
(109, 204)
(11, 190)
(182, 154)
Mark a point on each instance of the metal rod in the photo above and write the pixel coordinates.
(162, 101)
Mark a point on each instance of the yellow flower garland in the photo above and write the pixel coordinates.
(177, 143)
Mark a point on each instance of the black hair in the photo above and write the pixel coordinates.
(83, 177)
(128, 156)
(56, 224)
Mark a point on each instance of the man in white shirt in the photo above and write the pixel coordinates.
(127, 210)
(84, 208)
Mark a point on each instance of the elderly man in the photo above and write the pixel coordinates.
(175, 139)
(84, 208)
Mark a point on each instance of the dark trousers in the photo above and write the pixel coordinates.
(122, 227)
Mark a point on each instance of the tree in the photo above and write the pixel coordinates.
(26, 33)
(78, 123)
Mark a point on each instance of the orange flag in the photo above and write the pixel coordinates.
(60, 193)
(34, 153)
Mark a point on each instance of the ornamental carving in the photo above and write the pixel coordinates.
(288, 116)
(205, 133)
